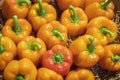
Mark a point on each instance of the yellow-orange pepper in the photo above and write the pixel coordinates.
(75, 20)
(16, 29)
(15, 7)
(31, 48)
(48, 1)
(23, 69)
(41, 13)
(111, 59)
(50, 74)
(103, 29)
(7, 51)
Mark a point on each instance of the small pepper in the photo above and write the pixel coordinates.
(111, 59)
(87, 51)
(103, 8)
(53, 33)
(16, 29)
(7, 51)
(75, 20)
(50, 74)
(59, 59)
(48, 1)
(103, 29)
(41, 13)
(16, 7)
(22, 69)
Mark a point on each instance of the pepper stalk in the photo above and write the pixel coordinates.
(20, 77)
(2, 47)
(20, 2)
(58, 58)
(104, 5)
(116, 58)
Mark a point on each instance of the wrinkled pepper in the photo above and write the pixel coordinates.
(87, 51)
(75, 20)
(41, 13)
(59, 59)
(16, 7)
(53, 33)
(7, 51)
(111, 59)
(64, 4)
(48, 1)
(103, 29)
(31, 48)
(16, 29)
(50, 74)
(22, 69)
(100, 9)
(80, 74)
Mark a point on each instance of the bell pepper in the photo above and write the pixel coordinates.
(103, 29)
(53, 33)
(16, 7)
(100, 9)
(75, 20)
(87, 51)
(22, 69)
(41, 13)
(16, 29)
(64, 4)
(59, 59)
(7, 51)
(80, 74)
(48, 1)
(111, 59)
(50, 74)
(31, 48)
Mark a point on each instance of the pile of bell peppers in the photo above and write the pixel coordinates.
(34, 41)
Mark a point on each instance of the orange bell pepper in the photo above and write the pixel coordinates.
(111, 59)
(53, 33)
(103, 29)
(80, 74)
(75, 20)
(23, 69)
(15, 7)
(64, 4)
(50, 74)
(16, 29)
(31, 48)
(48, 1)
(7, 51)
(103, 8)
(87, 51)
(41, 13)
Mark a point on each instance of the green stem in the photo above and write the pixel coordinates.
(57, 33)
(74, 17)
(106, 31)
(58, 58)
(41, 11)
(2, 47)
(16, 28)
(20, 77)
(91, 47)
(20, 2)
(104, 5)
(116, 58)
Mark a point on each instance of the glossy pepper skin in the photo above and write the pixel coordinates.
(22, 69)
(103, 29)
(48, 1)
(53, 33)
(31, 48)
(100, 9)
(16, 7)
(64, 4)
(111, 59)
(75, 20)
(50, 74)
(16, 28)
(58, 58)
(80, 74)
(41, 13)
(87, 51)
(7, 51)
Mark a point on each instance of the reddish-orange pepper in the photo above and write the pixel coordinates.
(41, 13)
(16, 29)
(53, 33)
(75, 20)
(48, 1)
(15, 7)
(7, 51)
